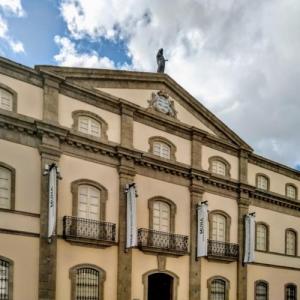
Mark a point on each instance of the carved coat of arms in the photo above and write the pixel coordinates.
(161, 102)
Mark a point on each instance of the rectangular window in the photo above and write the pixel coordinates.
(262, 182)
(6, 100)
(261, 237)
(5, 188)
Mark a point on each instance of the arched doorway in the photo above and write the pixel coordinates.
(160, 287)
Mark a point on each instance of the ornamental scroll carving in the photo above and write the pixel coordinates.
(162, 103)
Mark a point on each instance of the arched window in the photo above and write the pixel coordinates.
(90, 124)
(88, 202)
(261, 237)
(261, 290)
(6, 278)
(218, 288)
(161, 216)
(218, 165)
(291, 191)
(7, 186)
(290, 292)
(87, 282)
(162, 147)
(219, 226)
(262, 182)
(89, 199)
(291, 242)
(6, 99)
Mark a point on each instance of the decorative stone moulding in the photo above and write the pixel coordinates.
(161, 102)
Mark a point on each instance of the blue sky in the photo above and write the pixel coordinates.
(238, 58)
(37, 29)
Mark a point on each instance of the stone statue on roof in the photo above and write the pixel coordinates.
(161, 61)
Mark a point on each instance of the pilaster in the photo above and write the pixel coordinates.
(126, 126)
(243, 209)
(48, 252)
(50, 104)
(126, 176)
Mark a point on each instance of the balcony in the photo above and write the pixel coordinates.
(96, 233)
(222, 251)
(162, 242)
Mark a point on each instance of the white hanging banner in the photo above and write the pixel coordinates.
(249, 238)
(202, 229)
(131, 229)
(53, 173)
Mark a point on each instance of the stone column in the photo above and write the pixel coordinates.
(196, 193)
(126, 176)
(243, 209)
(48, 252)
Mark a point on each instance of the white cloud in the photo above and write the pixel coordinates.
(13, 7)
(68, 56)
(239, 58)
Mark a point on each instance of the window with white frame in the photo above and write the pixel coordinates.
(261, 291)
(88, 202)
(6, 100)
(161, 149)
(262, 182)
(218, 167)
(5, 188)
(89, 126)
(290, 242)
(261, 237)
(291, 191)
(161, 216)
(218, 232)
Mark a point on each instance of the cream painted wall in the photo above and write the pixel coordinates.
(143, 263)
(73, 169)
(24, 252)
(278, 223)
(141, 97)
(277, 181)
(233, 160)
(69, 256)
(29, 99)
(277, 278)
(13, 221)
(212, 268)
(142, 133)
(149, 187)
(67, 105)
(26, 161)
(227, 205)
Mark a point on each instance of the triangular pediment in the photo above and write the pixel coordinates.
(155, 92)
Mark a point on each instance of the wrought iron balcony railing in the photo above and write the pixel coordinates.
(162, 242)
(222, 250)
(89, 231)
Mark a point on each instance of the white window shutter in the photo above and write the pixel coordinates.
(5, 188)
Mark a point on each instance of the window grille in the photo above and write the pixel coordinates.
(89, 126)
(6, 100)
(290, 292)
(261, 237)
(87, 284)
(262, 182)
(4, 280)
(218, 167)
(162, 150)
(290, 242)
(261, 291)
(218, 289)
(5, 188)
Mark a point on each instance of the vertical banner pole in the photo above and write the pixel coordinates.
(202, 229)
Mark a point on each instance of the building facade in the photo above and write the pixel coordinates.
(108, 129)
